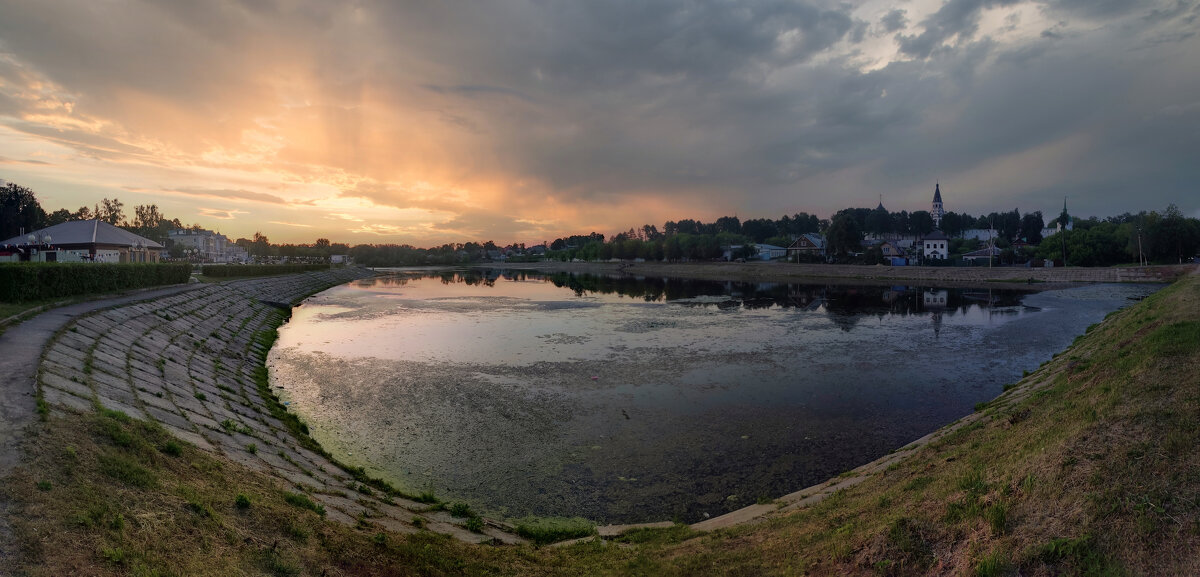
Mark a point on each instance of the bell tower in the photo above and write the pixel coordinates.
(937, 212)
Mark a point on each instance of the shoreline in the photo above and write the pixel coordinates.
(288, 472)
(1036, 279)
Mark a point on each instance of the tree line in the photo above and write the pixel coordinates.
(1150, 237)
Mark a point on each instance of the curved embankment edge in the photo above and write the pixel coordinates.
(194, 363)
(879, 274)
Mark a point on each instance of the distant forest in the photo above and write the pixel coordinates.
(1166, 237)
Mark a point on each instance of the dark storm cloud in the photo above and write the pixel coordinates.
(956, 19)
(894, 20)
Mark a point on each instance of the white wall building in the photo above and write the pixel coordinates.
(209, 246)
(935, 246)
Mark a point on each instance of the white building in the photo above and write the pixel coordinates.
(208, 245)
(935, 246)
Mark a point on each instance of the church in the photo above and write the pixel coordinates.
(936, 245)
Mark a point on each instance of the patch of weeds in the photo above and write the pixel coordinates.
(474, 524)
(172, 448)
(1080, 554)
(242, 501)
(365, 490)
(418, 522)
(227, 389)
(304, 502)
(994, 564)
(1176, 339)
(909, 547)
(379, 539)
(426, 497)
(44, 485)
(997, 516)
(918, 483)
(543, 530)
(113, 555)
(676, 533)
(126, 470)
(271, 561)
(193, 503)
(461, 510)
(251, 448)
(201, 396)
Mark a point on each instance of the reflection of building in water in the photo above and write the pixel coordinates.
(805, 297)
(935, 303)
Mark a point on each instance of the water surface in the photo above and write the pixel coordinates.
(632, 399)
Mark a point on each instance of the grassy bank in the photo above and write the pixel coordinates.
(1086, 467)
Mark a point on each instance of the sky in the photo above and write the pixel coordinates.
(526, 120)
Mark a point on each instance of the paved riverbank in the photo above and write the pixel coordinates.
(187, 360)
(922, 275)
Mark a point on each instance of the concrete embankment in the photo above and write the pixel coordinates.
(923, 275)
(187, 361)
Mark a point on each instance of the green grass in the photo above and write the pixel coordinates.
(542, 530)
(304, 502)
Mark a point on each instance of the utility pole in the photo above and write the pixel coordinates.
(1062, 222)
(1141, 255)
(991, 241)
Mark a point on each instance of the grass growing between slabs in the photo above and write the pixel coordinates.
(1086, 467)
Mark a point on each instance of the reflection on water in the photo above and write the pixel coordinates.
(631, 399)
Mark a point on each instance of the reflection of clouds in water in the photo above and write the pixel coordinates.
(490, 396)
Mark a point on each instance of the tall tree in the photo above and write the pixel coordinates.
(920, 222)
(148, 222)
(19, 209)
(844, 235)
(1031, 227)
(110, 211)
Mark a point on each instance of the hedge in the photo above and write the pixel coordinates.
(35, 281)
(229, 270)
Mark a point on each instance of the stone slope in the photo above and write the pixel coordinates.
(187, 362)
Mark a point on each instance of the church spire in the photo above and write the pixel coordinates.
(937, 212)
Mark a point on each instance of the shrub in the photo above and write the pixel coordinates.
(239, 270)
(126, 470)
(304, 502)
(35, 281)
(242, 501)
(461, 510)
(542, 530)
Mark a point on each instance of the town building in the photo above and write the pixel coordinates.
(935, 246)
(808, 244)
(80, 241)
(207, 246)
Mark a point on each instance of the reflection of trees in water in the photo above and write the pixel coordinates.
(846, 305)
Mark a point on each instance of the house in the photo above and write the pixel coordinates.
(807, 244)
(935, 246)
(82, 241)
(894, 248)
(770, 251)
